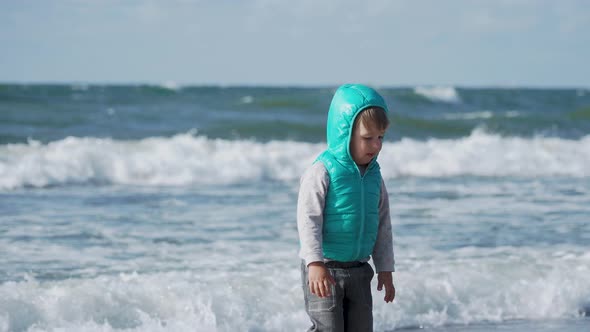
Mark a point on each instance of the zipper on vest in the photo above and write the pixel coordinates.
(362, 228)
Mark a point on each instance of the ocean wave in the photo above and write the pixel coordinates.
(482, 115)
(504, 285)
(447, 94)
(483, 154)
(188, 159)
(489, 286)
(170, 85)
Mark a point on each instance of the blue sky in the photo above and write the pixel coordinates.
(307, 42)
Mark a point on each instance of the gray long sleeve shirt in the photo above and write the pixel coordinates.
(310, 206)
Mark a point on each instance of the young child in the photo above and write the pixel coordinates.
(343, 216)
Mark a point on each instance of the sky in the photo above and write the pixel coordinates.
(531, 43)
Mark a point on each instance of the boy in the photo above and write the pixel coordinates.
(343, 216)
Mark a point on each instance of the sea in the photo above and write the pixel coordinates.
(163, 207)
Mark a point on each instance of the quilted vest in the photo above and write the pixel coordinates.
(351, 211)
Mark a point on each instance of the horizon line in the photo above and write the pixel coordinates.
(172, 85)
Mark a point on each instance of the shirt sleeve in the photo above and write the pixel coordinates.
(310, 207)
(383, 255)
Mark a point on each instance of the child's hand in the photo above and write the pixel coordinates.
(320, 279)
(386, 279)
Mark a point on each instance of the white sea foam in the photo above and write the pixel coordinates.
(446, 94)
(469, 116)
(474, 285)
(483, 154)
(170, 85)
(179, 160)
(186, 159)
(470, 285)
(484, 114)
(247, 100)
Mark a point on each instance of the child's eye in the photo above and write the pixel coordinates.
(380, 138)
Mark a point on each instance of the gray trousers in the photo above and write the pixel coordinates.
(350, 306)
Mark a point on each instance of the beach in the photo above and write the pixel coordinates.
(158, 208)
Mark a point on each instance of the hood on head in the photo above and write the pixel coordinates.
(348, 101)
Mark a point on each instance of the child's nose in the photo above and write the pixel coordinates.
(376, 144)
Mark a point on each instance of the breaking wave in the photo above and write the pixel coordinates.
(188, 159)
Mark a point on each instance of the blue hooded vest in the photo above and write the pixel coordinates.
(351, 210)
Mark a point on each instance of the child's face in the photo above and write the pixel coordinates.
(366, 142)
